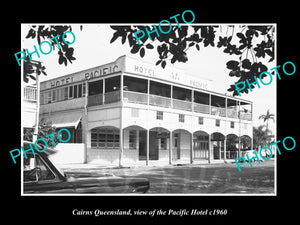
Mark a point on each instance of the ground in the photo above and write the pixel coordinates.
(202, 179)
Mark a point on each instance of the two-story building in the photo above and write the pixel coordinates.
(130, 111)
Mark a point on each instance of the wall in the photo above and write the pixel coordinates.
(68, 153)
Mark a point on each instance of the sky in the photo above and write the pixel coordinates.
(92, 48)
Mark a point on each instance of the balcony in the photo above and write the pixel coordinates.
(218, 111)
(113, 96)
(201, 108)
(30, 94)
(95, 100)
(156, 100)
(182, 105)
(246, 116)
(160, 101)
(135, 97)
(232, 113)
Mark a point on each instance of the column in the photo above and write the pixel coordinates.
(121, 147)
(239, 148)
(225, 140)
(192, 148)
(121, 87)
(210, 104)
(147, 152)
(170, 147)
(103, 92)
(209, 148)
(220, 148)
(84, 122)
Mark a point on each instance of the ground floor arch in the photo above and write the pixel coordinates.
(201, 145)
(137, 144)
(246, 143)
(232, 146)
(218, 143)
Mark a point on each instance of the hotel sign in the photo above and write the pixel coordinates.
(167, 74)
(83, 75)
(130, 65)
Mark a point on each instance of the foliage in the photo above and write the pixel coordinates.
(260, 136)
(32, 69)
(268, 116)
(44, 129)
(65, 53)
(173, 46)
(46, 33)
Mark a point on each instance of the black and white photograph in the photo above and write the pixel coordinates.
(128, 117)
(160, 117)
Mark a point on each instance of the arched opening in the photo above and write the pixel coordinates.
(135, 142)
(158, 143)
(232, 146)
(217, 141)
(201, 145)
(106, 137)
(181, 146)
(245, 143)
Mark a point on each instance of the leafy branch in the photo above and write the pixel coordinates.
(50, 34)
(173, 46)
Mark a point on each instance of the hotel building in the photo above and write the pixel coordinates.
(133, 112)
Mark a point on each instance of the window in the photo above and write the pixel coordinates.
(217, 123)
(49, 97)
(83, 89)
(159, 115)
(66, 93)
(200, 120)
(53, 95)
(75, 91)
(135, 112)
(71, 92)
(181, 118)
(231, 124)
(105, 138)
(132, 139)
(176, 140)
(79, 90)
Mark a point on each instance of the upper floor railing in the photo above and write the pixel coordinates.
(30, 94)
(155, 100)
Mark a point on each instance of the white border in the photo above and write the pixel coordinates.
(165, 194)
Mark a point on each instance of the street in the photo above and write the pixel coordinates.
(202, 179)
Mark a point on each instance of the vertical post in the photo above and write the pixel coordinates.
(252, 127)
(226, 102)
(209, 103)
(121, 87)
(209, 148)
(239, 149)
(225, 140)
(36, 127)
(192, 148)
(171, 96)
(103, 92)
(85, 122)
(121, 147)
(220, 149)
(148, 92)
(170, 147)
(147, 152)
(193, 100)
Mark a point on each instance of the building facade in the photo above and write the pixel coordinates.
(130, 111)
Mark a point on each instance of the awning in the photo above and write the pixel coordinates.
(70, 119)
